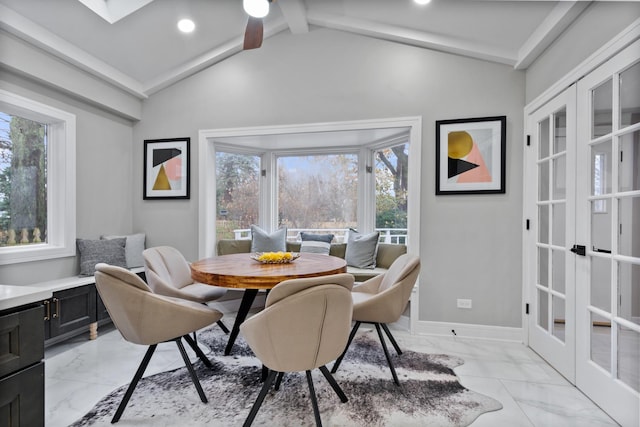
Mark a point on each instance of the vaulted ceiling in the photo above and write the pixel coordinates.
(135, 45)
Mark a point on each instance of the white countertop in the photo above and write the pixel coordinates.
(14, 296)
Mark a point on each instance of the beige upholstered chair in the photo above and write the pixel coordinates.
(168, 273)
(305, 324)
(143, 317)
(382, 300)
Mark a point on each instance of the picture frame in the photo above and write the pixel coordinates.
(166, 169)
(471, 156)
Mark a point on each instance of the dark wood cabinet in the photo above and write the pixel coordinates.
(22, 366)
(69, 312)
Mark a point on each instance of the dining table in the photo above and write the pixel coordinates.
(245, 271)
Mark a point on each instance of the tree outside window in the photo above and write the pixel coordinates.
(23, 181)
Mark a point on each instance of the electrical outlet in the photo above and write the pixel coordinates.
(464, 303)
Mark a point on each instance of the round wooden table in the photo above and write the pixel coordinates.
(239, 271)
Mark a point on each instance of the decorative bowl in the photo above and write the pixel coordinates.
(275, 257)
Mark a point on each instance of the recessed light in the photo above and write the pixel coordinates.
(186, 25)
(422, 2)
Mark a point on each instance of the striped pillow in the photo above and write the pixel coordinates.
(316, 243)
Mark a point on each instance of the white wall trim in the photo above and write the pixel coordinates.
(468, 330)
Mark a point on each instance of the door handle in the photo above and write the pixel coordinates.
(579, 250)
(604, 251)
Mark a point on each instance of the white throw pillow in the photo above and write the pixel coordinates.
(135, 244)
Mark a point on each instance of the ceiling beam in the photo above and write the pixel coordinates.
(412, 37)
(553, 25)
(295, 14)
(34, 34)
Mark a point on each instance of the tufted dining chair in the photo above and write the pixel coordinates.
(381, 300)
(146, 318)
(168, 273)
(316, 315)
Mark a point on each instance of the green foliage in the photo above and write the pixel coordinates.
(23, 183)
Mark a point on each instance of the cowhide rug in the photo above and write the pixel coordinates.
(430, 394)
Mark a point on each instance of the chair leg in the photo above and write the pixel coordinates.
(314, 401)
(278, 380)
(223, 327)
(192, 372)
(351, 335)
(194, 345)
(263, 392)
(386, 353)
(391, 338)
(334, 384)
(134, 382)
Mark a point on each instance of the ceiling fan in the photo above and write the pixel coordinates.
(257, 10)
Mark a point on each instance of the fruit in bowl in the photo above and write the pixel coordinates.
(275, 257)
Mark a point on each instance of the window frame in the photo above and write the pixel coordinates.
(61, 180)
(210, 140)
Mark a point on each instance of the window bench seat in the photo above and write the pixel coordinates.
(385, 254)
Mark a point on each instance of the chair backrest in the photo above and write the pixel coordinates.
(305, 323)
(166, 267)
(143, 317)
(404, 270)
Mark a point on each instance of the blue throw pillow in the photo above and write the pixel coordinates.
(316, 243)
(261, 241)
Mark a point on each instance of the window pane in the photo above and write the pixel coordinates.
(543, 148)
(318, 192)
(601, 283)
(560, 131)
(629, 226)
(629, 292)
(628, 356)
(601, 341)
(392, 181)
(601, 168)
(602, 109)
(629, 101)
(23, 181)
(237, 199)
(628, 175)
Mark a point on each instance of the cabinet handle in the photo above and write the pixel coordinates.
(55, 313)
(47, 313)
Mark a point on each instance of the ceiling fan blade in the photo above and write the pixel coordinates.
(253, 34)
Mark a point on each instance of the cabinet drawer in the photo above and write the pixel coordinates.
(22, 398)
(21, 339)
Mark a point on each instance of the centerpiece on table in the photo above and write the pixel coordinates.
(275, 257)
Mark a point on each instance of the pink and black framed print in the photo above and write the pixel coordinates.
(166, 168)
(470, 155)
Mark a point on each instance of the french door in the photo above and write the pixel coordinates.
(583, 248)
(551, 159)
(608, 200)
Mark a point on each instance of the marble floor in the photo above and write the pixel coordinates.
(80, 372)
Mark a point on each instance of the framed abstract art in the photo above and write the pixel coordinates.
(470, 155)
(166, 168)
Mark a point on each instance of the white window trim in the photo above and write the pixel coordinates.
(207, 180)
(61, 181)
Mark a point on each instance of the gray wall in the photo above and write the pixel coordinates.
(598, 24)
(470, 245)
(103, 178)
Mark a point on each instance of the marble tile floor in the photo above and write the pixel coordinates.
(80, 372)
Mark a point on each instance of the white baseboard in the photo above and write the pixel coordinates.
(467, 330)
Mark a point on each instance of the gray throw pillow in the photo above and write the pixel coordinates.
(315, 243)
(261, 241)
(361, 249)
(133, 248)
(93, 252)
